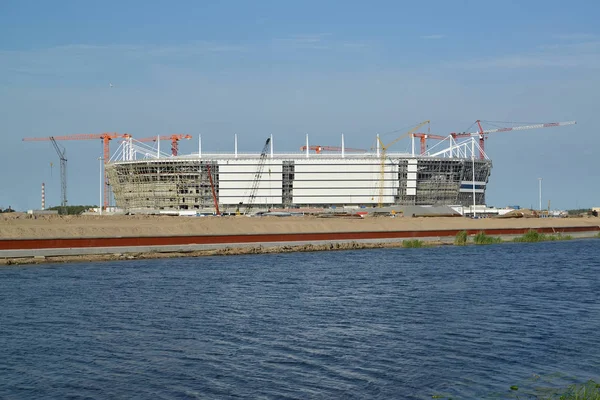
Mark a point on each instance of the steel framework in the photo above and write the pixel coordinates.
(63, 172)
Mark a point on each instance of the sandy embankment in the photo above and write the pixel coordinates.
(21, 226)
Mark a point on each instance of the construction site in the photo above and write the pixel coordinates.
(451, 170)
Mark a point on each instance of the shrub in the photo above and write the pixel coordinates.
(414, 243)
(482, 238)
(532, 236)
(589, 390)
(559, 236)
(461, 238)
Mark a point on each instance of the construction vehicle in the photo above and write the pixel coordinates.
(256, 181)
(383, 154)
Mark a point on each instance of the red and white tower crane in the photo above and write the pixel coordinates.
(175, 138)
(105, 137)
(319, 149)
(482, 134)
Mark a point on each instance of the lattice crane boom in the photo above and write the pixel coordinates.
(482, 132)
(63, 171)
(423, 139)
(256, 181)
(105, 137)
(319, 149)
(175, 138)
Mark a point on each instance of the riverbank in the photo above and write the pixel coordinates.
(69, 239)
(23, 226)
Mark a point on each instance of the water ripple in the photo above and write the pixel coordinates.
(386, 323)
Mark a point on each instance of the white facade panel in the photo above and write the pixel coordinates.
(259, 201)
(335, 192)
(339, 169)
(411, 184)
(471, 190)
(232, 171)
(358, 200)
(335, 185)
(411, 191)
(337, 161)
(236, 185)
(411, 168)
(335, 176)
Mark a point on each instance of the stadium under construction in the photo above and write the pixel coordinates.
(450, 173)
(454, 172)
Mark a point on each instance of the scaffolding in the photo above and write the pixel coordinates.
(146, 179)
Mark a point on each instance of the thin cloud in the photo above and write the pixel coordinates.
(575, 36)
(433, 37)
(319, 41)
(80, 59)
(562, 55)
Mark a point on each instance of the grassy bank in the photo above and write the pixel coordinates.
(589, 390)
(533, 236)
(413, 244)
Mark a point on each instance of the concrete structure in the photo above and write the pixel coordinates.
(144, 178)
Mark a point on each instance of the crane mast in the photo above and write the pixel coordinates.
(105, 137)
(63, 173)
(175, 138)
(256, 181)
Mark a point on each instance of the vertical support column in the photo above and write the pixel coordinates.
(106, 140)
(132, 153)
(473, 167)
(271, 146)
(199, 146)
(377, 145)
(157, 146)
(307, 149)
(235, 144)
(100, 203)
(412, 140)
(540, 179)
(343, 147)
(43, 196)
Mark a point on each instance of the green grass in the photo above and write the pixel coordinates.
(530, 237)
(558, 236)
(583, 391)
(598, 235)
(461, 238)
(589, 390)
(533, 236)
(482, 238)
(412, 244)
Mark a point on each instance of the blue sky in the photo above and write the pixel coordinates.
(292, 68)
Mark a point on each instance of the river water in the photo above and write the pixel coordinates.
(466, 322)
